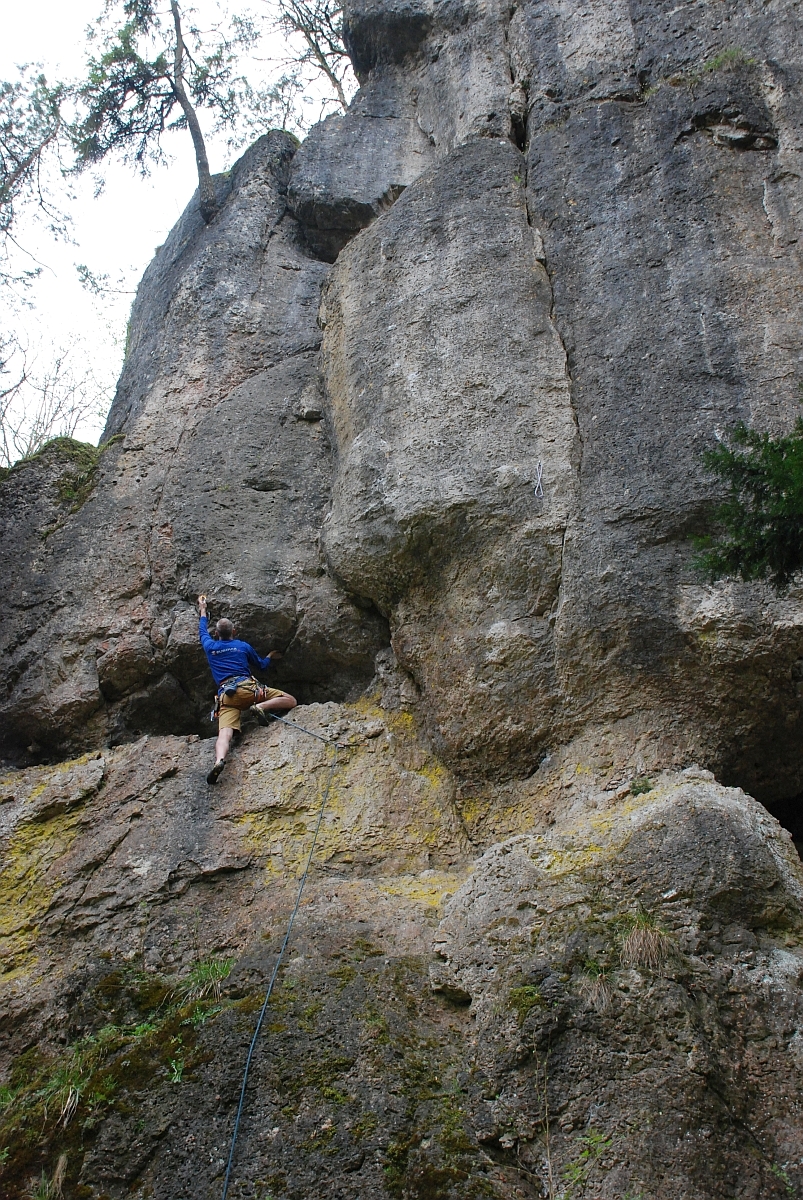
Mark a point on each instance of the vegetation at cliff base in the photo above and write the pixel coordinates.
(54, 1103)
(761, 518)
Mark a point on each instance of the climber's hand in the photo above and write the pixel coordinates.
(202, 604)
(275, 655)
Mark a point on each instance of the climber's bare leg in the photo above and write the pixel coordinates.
(223, 744)
(278, 704)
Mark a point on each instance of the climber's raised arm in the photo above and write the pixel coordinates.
(232, 663)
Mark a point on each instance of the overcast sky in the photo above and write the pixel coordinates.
(115, 233)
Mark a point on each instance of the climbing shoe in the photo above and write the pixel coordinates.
(267, 718)
(216, 772)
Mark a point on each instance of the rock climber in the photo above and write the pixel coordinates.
(231, 663)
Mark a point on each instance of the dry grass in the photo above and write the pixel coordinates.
(59, 1175)
(596, 991)
(646, 945)
(50, 1189)
(206, 979)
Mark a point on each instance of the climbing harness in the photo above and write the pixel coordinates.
(229, 686)
(278, 963)
(242, 692)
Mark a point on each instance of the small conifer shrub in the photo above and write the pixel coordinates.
(761, 518)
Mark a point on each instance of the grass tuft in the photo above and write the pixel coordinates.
(594, 986)
(49, 1189)
(728, 59)
(206, 979)
(646, 944)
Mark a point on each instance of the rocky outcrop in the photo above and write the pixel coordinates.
(438, 514)
(424, 408)
(594, 1011)
(443, 1026)
(579, 319)
(661, 272)
(217, 482)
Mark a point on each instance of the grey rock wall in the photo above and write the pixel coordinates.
(219, 484)
(566, 243)
(424, 407)
(571, 1004)
(579, 250)
(435, 514)
(660, 160)
(674, 295)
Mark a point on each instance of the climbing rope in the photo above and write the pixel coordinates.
(266, 1002)
(309, 732)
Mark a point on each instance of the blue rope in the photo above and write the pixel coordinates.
(264, 1009)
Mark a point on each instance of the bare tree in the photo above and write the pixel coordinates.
(317, 24)
(39, 405)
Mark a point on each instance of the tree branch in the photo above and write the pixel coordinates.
(314, 23)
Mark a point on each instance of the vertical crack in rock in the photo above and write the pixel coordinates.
(439, 435)
(539, 252)
(649, 388)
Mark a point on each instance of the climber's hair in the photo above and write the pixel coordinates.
(224, 628)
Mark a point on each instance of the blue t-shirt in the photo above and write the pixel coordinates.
(229, 656)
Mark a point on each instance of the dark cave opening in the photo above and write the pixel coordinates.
(789, 813)
(767, 763)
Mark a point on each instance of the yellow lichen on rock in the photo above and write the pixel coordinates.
(380, 813)
(41, 828)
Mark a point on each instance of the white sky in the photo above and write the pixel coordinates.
(115, 233)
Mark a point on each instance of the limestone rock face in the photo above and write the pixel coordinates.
(622, 1023)
(424, 407)
(566, 263)
(353, 167)
(439, 512)
(673, 285)
(218, 483)
(651, 177)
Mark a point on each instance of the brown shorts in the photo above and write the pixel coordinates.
(231, 707)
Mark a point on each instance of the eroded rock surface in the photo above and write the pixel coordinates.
(653, 172)
(620, 1020)
(424, 407)
(218, 483)
(441, 439)
(580, 317)
(445, 1024)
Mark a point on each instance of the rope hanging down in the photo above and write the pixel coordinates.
(264, 1009)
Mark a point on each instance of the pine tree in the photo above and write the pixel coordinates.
(762, 516)
(147, 79)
